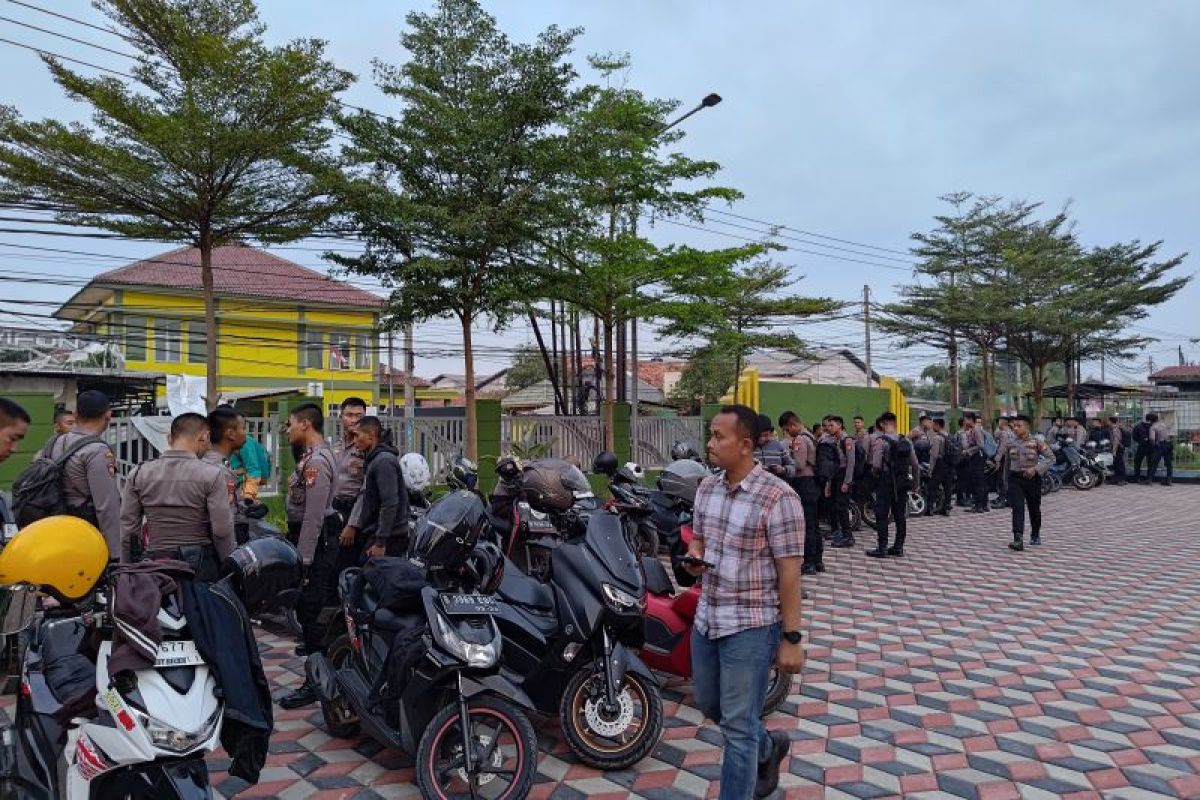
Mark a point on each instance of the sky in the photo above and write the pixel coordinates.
(843, 120)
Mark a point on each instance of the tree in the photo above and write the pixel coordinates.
(223, 142)
(446, 193)
(706, 378)
(739, 310)
(527, 368)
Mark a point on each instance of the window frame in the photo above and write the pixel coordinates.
(166, 331)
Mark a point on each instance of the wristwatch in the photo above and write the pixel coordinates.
(793, 637)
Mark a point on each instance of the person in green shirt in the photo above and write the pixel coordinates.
(252, 466)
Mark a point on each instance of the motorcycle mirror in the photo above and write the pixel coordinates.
(17, 606)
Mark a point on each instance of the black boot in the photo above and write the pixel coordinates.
(1018, 542)
(1035, 537)
(808, 569)
(306, 695)
(878, 552)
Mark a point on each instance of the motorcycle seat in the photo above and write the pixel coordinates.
(391, 622)
(521, 590)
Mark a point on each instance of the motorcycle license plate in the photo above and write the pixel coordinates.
(470, 604)
(178, 654)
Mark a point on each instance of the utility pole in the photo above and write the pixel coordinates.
(410, 399)
(1102, 379)
(867, 326)
(391, 375)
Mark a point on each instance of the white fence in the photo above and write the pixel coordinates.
(656, 435)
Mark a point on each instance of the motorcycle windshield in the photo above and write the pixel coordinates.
(605, 540)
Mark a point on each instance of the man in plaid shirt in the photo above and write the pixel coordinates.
(748, 543)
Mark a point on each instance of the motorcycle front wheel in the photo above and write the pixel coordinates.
(1083, 479)
(916, 504)
(779, 686)
(611, 739)
(503, 749)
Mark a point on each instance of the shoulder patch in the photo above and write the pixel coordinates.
(310, 476)
(111, 463)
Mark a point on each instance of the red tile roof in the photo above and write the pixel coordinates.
(651, 372)
(397, 377)
(241, 272)
(1186, 371)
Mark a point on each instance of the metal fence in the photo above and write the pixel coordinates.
(656, 435)
(579, 438)
(1181, 413)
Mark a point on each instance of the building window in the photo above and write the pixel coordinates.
(314, 350)
(167, 340)
(134, 330)
(197, 343)
(339, 351)
(362, 352)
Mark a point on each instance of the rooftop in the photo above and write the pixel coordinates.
(1187, 372)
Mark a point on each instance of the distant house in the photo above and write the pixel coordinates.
(657, 378)
(828, 367)
(491, 386)
(391, 385)
(1185, 378)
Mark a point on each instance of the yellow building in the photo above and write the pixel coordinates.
(281, 328)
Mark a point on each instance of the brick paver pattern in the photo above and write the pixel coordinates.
(961, 670)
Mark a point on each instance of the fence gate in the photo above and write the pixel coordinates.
(656, 435)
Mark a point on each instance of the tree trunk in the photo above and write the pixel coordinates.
(610, 373)
(472, 432)
(547, 359)
(210, 319)
(952, 374)
(988, 376)
(1037, 375)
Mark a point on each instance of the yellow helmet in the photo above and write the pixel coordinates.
(64, 556)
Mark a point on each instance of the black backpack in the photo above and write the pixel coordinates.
(829, 461)
(1141, 432)
(952, 454)
(900, 460)
(37, 491)
(860, 460)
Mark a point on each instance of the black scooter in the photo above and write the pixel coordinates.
(456, 713)
(574, 639)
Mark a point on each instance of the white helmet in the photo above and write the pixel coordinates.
(415, 470)
(635, 469)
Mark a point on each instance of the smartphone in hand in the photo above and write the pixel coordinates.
(692, 561)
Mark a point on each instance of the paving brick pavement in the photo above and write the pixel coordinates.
(962, 670)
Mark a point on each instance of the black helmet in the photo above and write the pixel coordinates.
(485, 567)
(463, 474)
(605, 463)
(553, 485)
(681, 451)
(266, 574)
(681, 478)
(508, 469)
(448, 532)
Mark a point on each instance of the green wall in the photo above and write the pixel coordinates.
(814, 401)
(40, 406)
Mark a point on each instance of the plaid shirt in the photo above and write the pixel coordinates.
(744, 529)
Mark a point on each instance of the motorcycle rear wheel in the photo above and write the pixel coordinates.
(504, 746)
(340, 720)
(625, 744)
(779, 686)
(916, 504)
(1083, 479)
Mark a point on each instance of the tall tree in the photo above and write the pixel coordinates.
(527, 368)
(739, 310)
(448, 191)
(706, 378)
(218, 140)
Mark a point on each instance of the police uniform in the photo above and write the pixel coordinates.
(941, 474)
(313, 526)
(891, 492)
(89, 484)
(349, 465)
(1004, 438)
(839, 501)
(241, 526)
(1116, 443)
(803, 448)
(973, 467)
(188, 510)
(1019, 456)
(1161, 451)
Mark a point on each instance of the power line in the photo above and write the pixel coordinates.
(40, 51)
(68, 38)
(806, 232)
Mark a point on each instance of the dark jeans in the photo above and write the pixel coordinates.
(320, 585)
(976, 487)
(1023, 492)
(1141, 454)
(814, 544)
(1166, 456)
(729, 679)
(893, 499)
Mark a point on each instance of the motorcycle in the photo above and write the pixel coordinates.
(573, 639)
(633, 501)
(1102, 456)
(1072, 466)
(462, 719)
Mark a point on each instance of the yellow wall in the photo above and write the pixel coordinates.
(258, 342)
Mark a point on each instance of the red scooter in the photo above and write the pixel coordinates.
(668, 624)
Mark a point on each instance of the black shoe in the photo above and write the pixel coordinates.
(845, 540)
(306, 695)
(1017, 545)
(808, 569)
(878, 552)
(768, 771)
(301, 650)
(895, 551)
(820, 566)
(1166, 483)
(1035, 538)
(945, 512)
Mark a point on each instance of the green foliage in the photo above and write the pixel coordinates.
(706, 378)
(527, 368)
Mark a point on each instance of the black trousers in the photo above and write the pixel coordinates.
(976, 482)
(1141, 454)
(1119, 472)
(814, 544)
(348, 555)
(839, 504)
(890, 499)
(942, 478)
(1024, 492)
(1162, 455)
(320, 584)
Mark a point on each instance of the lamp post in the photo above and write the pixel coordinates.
(709, 101)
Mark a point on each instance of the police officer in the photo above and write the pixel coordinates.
(941, 471)
(838, 488)
(1055, 429)
(1141, 447)
(1004, 437)
(14, 424)
(313, 526)
(803, 448)
(1026, 460)
(1116, 443)
(89, 482)
(972, 440)
(64, 420)
(350, 464)
(186, 503)
(771, 453)
(1161, 450)
(895, 474)
(227, 434)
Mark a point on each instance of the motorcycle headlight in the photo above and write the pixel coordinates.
(167, 737)
(479, 656)
(621, 600)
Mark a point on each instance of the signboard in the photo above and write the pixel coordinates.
(56, 351)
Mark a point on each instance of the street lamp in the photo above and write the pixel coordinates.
(709, 101)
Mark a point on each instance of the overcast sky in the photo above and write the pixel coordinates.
(841, 119)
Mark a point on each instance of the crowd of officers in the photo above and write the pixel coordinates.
(344, 503)
(830, 467)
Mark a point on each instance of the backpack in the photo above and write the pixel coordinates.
(923, 446)
(1141, 432)
(1126, 438)
(829, 460)
(900, 460)
(989, 445)
(37, 491)
(952, 453)
(860, 460)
